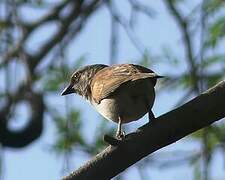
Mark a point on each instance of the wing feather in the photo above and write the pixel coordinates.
(109, 79)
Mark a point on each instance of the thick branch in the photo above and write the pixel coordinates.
(33, 129)
(166, 129)
(70, 24)
(53, 15)
(77, 11)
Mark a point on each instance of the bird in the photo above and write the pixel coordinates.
(121, 93)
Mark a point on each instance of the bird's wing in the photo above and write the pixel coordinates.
(107, 80)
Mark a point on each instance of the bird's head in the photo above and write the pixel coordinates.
(81, 79)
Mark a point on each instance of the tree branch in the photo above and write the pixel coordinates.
(166, 129)
(183, 25)
(70, 24)
(22, 137)
(77, 11)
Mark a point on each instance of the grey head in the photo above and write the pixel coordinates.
(81, 79)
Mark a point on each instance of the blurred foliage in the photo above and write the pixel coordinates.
(209, 60)
(216, 31)
(68, 137)
(210, 69)
(213, 6)
(57, 75)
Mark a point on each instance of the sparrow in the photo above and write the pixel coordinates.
(121, 93)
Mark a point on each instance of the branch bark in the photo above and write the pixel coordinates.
(70, 24)
(20, 138)
(198, 113)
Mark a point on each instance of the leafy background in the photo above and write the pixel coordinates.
(45, 136)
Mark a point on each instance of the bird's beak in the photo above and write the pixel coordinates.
(68, 90)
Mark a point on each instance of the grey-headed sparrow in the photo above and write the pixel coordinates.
(121, 93)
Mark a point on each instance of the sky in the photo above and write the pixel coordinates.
(37, 161)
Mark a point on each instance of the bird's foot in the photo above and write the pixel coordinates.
(114, 141)
(120, 135)
(111, 140)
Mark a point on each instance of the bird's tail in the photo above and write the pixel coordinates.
(146, 75)
(158, 76)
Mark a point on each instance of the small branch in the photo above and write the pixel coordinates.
(59, 35)
(113, 41)
(137, 6)
(183, 25)
(71, 23)
(78, 10)
(125, 24)
(166, 129)
(53, 15)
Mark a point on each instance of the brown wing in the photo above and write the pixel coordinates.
(110, 78)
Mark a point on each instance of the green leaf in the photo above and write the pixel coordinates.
(212, 60)
(216, 32)
(68, 132)
(197, 171)
(4, 24)
(212, 79)
(212, 138)
(213, 6)
(169, 56)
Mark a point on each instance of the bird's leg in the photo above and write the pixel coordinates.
(119, 133)
(151, 116)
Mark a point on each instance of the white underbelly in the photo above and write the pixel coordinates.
(128, 104)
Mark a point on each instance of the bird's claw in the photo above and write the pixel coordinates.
(120, 135)
(111, 140)
(115, 141)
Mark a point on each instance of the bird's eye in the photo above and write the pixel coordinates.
(75, 78)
